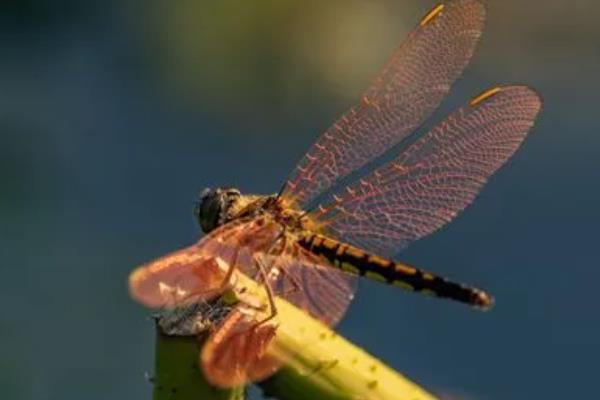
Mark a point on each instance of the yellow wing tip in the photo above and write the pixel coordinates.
(434, 12)
(484, 96)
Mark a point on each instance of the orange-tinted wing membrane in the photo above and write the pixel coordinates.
(198, 272)
(436, 177)
(234, 353)
(407, 90)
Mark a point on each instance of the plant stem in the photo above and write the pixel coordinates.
(177, 374)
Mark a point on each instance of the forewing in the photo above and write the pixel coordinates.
(408, 89)
(436, 177)
(198, 272)
(235, 353)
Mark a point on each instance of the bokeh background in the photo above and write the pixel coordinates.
(114, 114)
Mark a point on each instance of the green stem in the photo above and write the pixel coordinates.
(321, 364)
(177, 374)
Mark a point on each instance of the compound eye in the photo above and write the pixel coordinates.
(208, 209)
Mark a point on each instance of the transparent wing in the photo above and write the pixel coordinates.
(198, 272)
(436, 177)
(408, 89)
(235, 353)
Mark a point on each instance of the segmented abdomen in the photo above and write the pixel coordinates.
(358, 262)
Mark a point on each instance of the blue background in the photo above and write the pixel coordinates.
(114, 114)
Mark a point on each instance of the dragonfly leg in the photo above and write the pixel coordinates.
(262, 270)
(230, 269)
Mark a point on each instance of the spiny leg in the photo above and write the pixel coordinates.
(264, 275)
(230, 269)
(269, 290)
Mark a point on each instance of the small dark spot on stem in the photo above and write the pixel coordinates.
(372, 385)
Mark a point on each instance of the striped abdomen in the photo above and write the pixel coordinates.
(358, 262)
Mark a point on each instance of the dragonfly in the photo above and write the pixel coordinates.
(308, 242)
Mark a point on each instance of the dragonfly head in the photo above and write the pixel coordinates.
(212, 207)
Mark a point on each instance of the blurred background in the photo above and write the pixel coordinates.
(115, 114)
